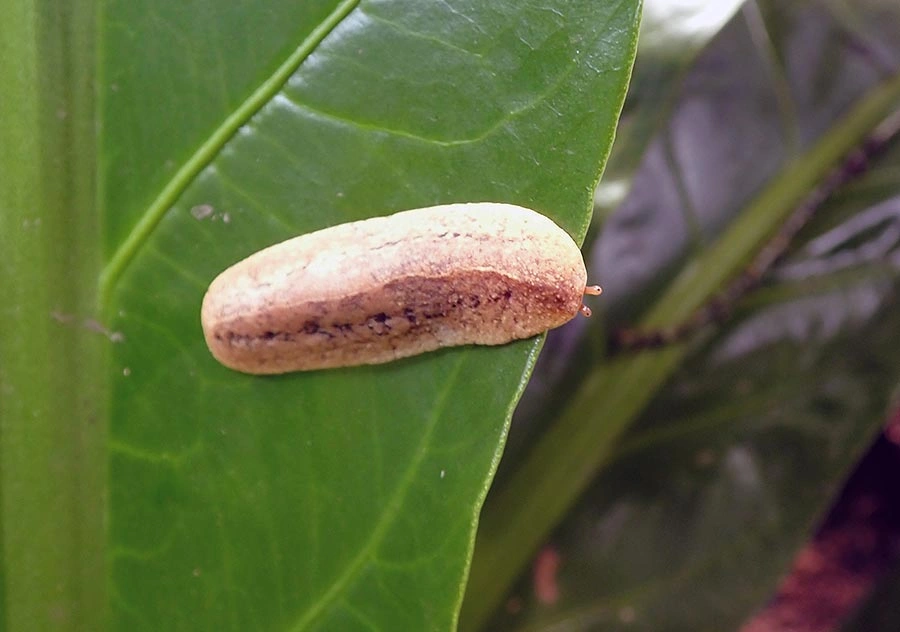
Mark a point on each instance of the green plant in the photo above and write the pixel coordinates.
(148, 145)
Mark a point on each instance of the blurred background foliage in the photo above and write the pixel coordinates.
(690, 469)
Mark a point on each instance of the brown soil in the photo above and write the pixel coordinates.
(857, 544)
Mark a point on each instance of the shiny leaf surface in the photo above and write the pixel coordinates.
(343, 499)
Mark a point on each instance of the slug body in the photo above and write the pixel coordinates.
(385, 288)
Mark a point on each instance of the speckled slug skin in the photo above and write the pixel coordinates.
(385, 288)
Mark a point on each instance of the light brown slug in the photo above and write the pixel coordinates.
(385, 288)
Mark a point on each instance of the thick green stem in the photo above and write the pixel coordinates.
(52, 373)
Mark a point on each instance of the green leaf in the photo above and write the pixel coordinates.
(344, 499)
